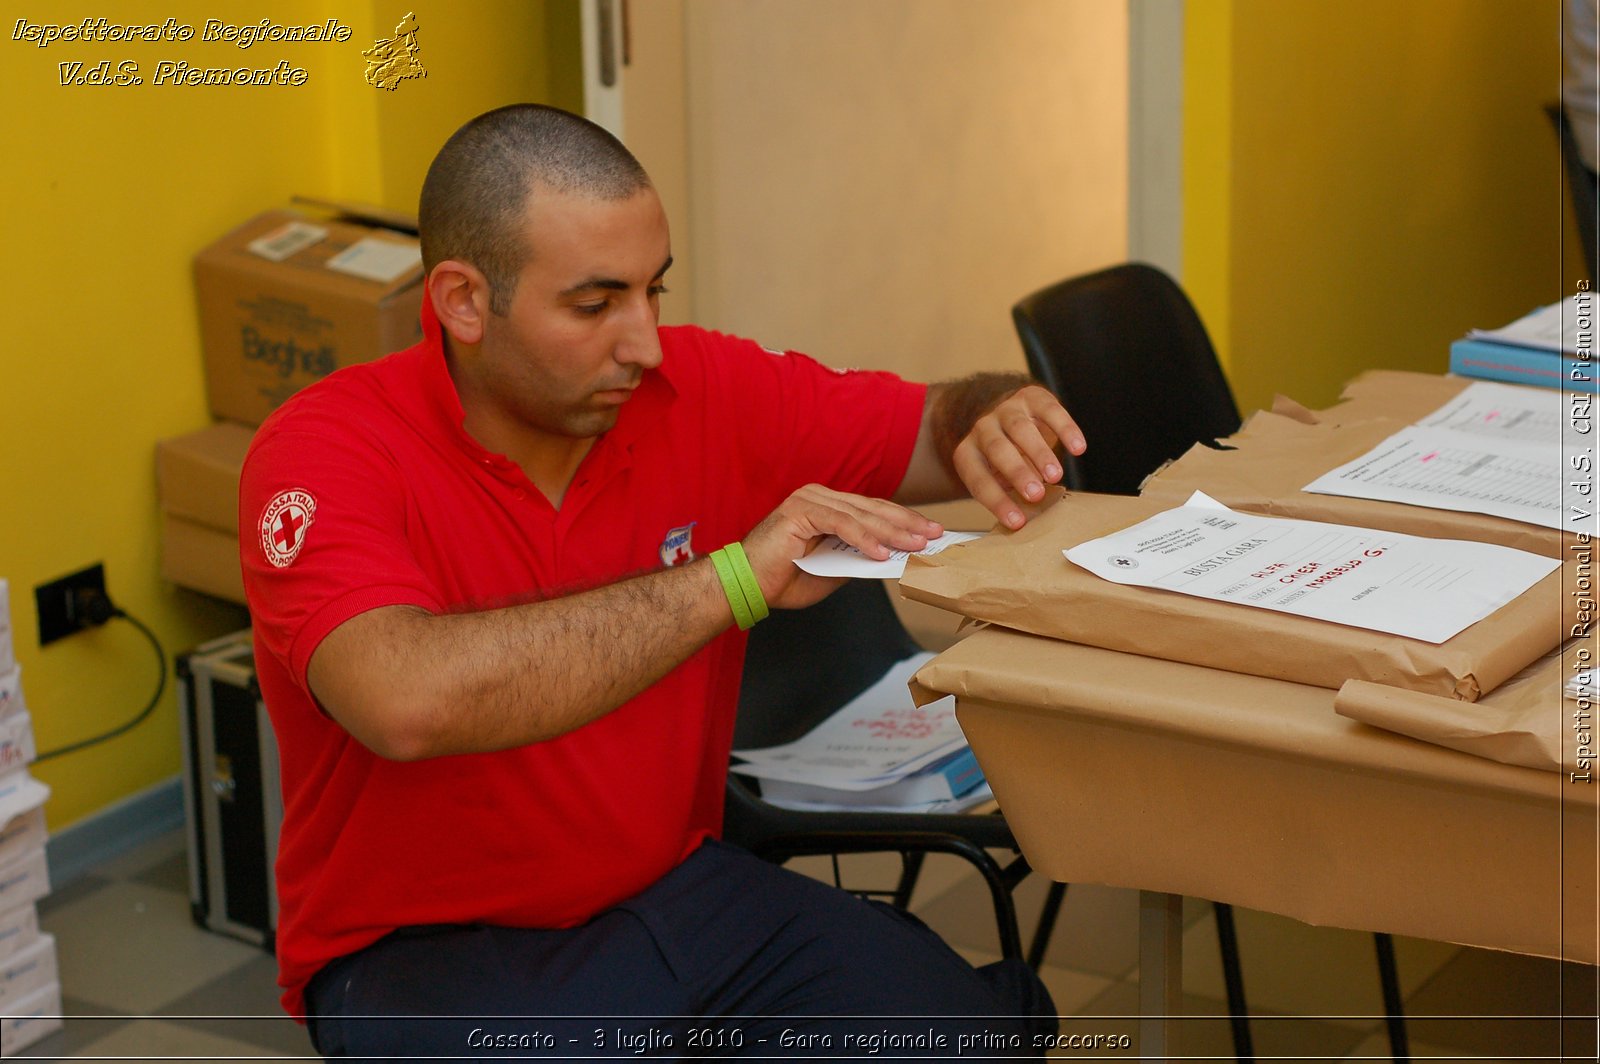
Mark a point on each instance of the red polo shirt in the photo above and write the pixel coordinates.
(365, 491)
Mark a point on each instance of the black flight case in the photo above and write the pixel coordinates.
(231, 798)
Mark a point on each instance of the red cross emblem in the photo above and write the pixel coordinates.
(284, 524)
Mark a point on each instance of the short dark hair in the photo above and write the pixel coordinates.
(476, 191)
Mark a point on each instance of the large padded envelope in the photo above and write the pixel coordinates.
(1278, 453)
(1021, 580)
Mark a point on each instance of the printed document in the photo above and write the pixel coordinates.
(1494, 449)
(1426, 589)
(835, 557)
(1544, 328)
(878, 737)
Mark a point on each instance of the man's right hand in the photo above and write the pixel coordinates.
(873, 526)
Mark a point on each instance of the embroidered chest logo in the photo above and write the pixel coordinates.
(677, 549)
(284, 524)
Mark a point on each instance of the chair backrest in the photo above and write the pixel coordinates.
(1585, 192)
(802, 665)
(1125, 351)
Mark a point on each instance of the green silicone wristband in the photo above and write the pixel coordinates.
(747, 580)
(730, 587)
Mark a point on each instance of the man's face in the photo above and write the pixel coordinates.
(581, 327)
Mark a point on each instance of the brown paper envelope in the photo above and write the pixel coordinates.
(1021, 580)
(1275, 456)
(1524, 722)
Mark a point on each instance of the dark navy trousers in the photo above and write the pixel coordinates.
(727, 955)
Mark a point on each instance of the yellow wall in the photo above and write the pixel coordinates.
(108, 193)
(1366, 180)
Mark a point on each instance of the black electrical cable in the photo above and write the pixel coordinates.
(104, 610)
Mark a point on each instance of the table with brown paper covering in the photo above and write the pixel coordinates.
(1473, 822)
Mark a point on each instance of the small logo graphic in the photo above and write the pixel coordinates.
(1122, 561)
(390, 61)
(676, 548)
(284, 524)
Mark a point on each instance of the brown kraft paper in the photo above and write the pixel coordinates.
(1275, 455)
(1524, 722)
(1021, 580)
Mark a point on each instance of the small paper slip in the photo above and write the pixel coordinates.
(377, 260)
(283, 242)
(1426, 589)
(1494, 449)
(1582, 685)
(1552, 328)
(835, 557)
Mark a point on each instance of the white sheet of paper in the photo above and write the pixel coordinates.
(1543, 328)
(835, 557)
(1427, 589)
(376, 259)
(1494, 449)
(878, 737)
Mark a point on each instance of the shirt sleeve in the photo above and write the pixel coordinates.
(322, 538)
(797, 421)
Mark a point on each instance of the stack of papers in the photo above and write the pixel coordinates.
(1494, 449)
(1558, 327)
(879, 752)
(1582, 685)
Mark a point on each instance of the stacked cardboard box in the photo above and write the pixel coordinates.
(284, 299)
(30, 987)
(197, 476)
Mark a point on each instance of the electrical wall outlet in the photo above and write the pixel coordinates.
(63, 603)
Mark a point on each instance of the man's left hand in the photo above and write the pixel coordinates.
(1010, 452)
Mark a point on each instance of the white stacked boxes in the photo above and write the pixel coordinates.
(30, 985)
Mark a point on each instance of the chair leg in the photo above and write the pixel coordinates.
(910, 869)
(1233, 979)
(1393, 1006)
(1047, 924)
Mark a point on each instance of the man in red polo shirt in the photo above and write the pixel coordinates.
(499, 584)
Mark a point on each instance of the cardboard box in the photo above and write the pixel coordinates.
(288, 297)
(7, 654)
(19, 792)
(30, 1018)
(1158, 775)
(19, 929)
(23, 832)
(11, 702)
(201, 558)
(197, 474)
(28, 969)
(24, 880)
(16, 741)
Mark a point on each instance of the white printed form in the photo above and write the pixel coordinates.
(1494, 449)
(1426, 589)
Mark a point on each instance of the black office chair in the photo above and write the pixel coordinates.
(1581, 181)
(802, 666)
(1126, 353)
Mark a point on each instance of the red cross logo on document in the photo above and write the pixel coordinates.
(284, 523)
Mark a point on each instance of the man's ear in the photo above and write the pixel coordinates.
(460, 295)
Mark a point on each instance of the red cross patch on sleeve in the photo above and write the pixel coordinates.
(284, 524)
